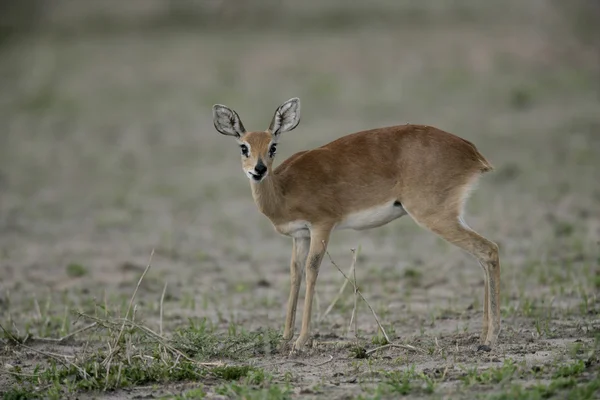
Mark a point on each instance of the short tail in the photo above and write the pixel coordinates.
(486, 166)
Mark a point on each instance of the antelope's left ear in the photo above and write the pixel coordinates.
(227, 121)
(286, 118)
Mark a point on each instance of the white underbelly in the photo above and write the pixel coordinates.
(360, 220)
(372, 217)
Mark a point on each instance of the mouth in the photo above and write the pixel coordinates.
(256, 177)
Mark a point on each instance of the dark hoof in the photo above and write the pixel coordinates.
(285, 346)
(484, 347)
(296, 352)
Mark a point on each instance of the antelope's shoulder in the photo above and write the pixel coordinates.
(290, 161)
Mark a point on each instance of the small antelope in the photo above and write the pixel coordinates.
(360, 181)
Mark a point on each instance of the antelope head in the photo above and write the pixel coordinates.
(257, 148)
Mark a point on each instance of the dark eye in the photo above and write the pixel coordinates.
(244, 150)
(272, 150)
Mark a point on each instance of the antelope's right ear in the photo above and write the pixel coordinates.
(227, 121)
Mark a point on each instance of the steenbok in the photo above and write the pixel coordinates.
(360, 181)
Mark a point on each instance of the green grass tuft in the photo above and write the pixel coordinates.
(75, 270)
(202, 342)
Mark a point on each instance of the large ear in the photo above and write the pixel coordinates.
(227, 121)
(286, 118)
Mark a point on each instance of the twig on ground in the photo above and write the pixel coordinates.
(8, 371)
(64, 338)
(324, 362)
(361, 296)
(339, 343)
(339, 294)
(299, 362)
(399, 346)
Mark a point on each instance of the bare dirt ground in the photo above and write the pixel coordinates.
(107, 151)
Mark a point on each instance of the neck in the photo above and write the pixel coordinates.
(267, 196)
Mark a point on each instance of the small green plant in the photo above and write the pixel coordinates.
(358, 352)
(413, 276)
(564, 388)
(491, 375)
(404, 382)
(75, 270)
(19, 394)
(521, 98)
(568, 370)
(232, 372)
(194, 394)
(563, 229)
(61, 378)
(379, 339)
(273, 392)
(400, 382)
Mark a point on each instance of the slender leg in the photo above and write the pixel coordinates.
(299, 254)
(453, 229)
(486, 302)
(493, 266)
(318, 246)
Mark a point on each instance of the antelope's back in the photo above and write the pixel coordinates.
(371, 167)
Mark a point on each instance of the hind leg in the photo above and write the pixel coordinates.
(486, 309)
(451, 227)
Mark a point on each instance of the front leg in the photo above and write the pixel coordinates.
(299, 254)
(318, 246)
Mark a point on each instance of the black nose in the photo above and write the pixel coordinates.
(260, 168)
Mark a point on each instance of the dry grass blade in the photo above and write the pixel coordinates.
(164, 342)
(162, 300)
(354, 317)
(111, 324)
(339, 294)
(361, 296)
(57, 357)
(64, 338)
(107, 379)
(324, 362)
(8, 371)
(118, 338)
